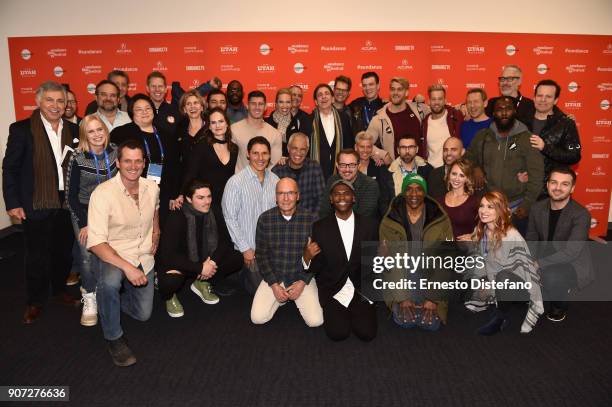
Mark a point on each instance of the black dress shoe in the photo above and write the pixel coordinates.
(31, 314)
(224, 290)
(497, 324)
(121, 353)
(556, 315)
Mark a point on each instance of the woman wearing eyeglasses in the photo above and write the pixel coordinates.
(161, 152)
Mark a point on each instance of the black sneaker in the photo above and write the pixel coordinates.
(556, 315)
(121, 353)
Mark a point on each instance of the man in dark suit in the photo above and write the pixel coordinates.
(337, 267)
(33, 188)
(562, 227)
(325, 120)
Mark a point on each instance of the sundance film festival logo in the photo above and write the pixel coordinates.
(572, 87)
(405, 66)
(57, 52)
(91, 69)
(576, 51)
(189, 68)
(265, 86)
(542, 69)
(575, 68)
(598, 172)
(91, 88)
(604, 86)
(123, 49)
(598, 190)
(27, 73)
(266, 68)
(298, 67)
(400, 47)
(332, 48)
(298, 48)
(229, 50)
(264, 49)
(333, 66)
(543, 50)
(438, 48)
(595, 206)
(511, 50)
(601, 139)
(369, 67)
(229, 68)
(89, 51)
(476, 50)
(475, 68)
(369, 47)
(573, 105)
(26, 54)
(437, 67)
(192, 49)
(604, 104)
(158, 50)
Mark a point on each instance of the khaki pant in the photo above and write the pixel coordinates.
(265, 304)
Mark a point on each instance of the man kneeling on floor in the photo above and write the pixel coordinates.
(282, 234)
(124, 233)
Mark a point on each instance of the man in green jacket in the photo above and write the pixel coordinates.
(504, 152)
(416, 224)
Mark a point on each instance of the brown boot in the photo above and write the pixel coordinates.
(31, 314)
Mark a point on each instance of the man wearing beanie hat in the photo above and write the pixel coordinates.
(418, 220)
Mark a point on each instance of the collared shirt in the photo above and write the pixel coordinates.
(244, 199)
(329, 125)
(347, 232)
(114, 218)
(310, 182)
(55, 139)
(121, 118)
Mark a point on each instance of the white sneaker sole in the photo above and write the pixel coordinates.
(199, 294)
(89, 323)
(176, 315)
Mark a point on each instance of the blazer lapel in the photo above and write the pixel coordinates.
(356, 239)
(337, 238)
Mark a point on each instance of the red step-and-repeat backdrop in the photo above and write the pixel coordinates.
(581, 64)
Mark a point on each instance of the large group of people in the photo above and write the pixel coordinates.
(206, 191)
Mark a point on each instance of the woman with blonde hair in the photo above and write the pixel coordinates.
(281, 117)
(460, 202)
(508, 266)
(93, 162)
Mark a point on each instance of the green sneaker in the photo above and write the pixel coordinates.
(203, 290)
(174, 307)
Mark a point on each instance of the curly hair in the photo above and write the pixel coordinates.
(502, 222)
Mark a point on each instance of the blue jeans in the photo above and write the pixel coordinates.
(87, 262)
(137, 302)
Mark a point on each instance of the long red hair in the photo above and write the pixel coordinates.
(503, 221)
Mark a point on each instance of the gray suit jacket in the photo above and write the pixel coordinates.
(569, 240)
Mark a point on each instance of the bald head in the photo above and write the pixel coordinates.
(287, 195)
(452, 150)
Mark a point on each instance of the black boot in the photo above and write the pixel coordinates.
(498, 323)
(121, 353)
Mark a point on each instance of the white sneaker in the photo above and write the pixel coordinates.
(89, 317)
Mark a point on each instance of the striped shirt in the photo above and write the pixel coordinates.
(82, 179)
(280, 243)
(244, 199)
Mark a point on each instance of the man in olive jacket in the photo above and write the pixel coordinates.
(503, 151)
(416, 224)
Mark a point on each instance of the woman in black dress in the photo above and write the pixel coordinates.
(191, 129)
(213, 160)
(162, 161)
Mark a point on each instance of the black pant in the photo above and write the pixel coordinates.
(505, 298)
(557, 280)
(359, 317)
(170, 283)
(48, 254)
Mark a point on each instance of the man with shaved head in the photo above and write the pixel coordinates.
(452, 150)
(282, 234)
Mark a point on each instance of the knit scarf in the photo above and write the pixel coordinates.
(209, 233)
(282, 122)
(46, 183)
(317, 132)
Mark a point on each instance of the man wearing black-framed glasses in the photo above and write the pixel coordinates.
(509, 83)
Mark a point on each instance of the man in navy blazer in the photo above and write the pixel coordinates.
(562, 227)
(33, 188)
(337, 266)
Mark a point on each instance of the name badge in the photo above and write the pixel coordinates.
(154, 172)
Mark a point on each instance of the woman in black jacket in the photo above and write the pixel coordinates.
(192, 248)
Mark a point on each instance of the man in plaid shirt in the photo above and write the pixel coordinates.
(306, 172)
(283, 246)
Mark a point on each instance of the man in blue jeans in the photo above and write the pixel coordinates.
(123, 233)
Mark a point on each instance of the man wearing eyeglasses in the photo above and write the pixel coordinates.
(281, 236)
(509, 83)
(407, 162)
(366, 189)
(342, 91)
(107, 99)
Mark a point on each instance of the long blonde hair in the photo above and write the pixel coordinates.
(83, 142)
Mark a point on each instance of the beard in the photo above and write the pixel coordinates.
(504, 127)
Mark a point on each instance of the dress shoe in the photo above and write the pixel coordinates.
(66, 299)
(31, 314)
(497, 324)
